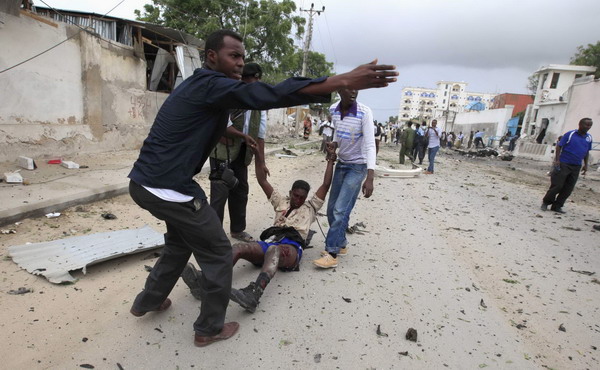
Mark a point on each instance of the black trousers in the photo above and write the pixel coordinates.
(419, 151)
(192, 228)
(237, 198)
(562, 184)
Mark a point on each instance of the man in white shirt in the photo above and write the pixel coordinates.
(327, 130)
(355, 138)
(432, 136)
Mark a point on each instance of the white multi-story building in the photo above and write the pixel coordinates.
(426, 104)
(548, 108)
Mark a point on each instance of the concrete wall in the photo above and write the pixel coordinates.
(584, 101)
(555, 113)
(85, 95)
(493, 121)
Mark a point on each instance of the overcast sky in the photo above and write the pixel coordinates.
(493, 45)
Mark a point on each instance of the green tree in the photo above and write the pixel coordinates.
(267, 26)
(291, 66)
(588, 56)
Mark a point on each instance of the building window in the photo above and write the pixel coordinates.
(554, 81)
(445, 93)
(579, 75)
(544, 78)
(535, 112)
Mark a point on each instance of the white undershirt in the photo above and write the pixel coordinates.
(169, 195)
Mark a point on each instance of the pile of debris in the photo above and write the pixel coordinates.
(485, 152)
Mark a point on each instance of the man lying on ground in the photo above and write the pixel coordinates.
(281, 245)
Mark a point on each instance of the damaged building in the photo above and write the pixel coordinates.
(84, 82)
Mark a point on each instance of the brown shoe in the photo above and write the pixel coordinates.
(229, 330)
(163, 307)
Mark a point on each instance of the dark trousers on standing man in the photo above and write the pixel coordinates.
(236, 198)
(419, 151)
(562, 183)
(192, 228)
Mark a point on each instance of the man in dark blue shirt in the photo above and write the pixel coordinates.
(185, 131)
(571, 150)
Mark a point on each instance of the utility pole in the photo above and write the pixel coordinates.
(311, 12)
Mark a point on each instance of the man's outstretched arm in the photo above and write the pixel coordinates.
(330, 158)
(366, 76)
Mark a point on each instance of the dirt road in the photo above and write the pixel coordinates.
(465, 257)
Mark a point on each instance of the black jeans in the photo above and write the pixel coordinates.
(562, 184)
(419, 151)
(237, 198)
(192, 228)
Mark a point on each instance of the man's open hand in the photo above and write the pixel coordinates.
(370, 75)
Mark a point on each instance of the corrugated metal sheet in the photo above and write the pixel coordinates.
(106, 26)
(56, 258)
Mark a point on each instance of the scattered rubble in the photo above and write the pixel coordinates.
(379, 332)
(69, 164)
(26, 163)
(411, 335)
(21, 290)
(13, 178)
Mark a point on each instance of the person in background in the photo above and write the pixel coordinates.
(433, 137)
(407, 138)
(573, 149)
(235, 151)
(307, 127)
(327, 131)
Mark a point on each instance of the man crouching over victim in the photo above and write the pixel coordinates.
(281, 245)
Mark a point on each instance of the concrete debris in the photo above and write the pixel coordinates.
(26, 163)
(53, 214)
(69, 164)
(56, 258)
(387, 172)
(485, 152)
(13, 178)
(20, 291)
(411, 334)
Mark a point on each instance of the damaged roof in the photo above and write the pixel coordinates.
(87, 19)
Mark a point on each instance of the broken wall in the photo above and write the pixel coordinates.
(85, 95)
(494, 121)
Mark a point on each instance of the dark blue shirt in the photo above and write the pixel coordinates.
(194, 117)
(574, 147)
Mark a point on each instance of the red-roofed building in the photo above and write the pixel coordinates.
(520, 101)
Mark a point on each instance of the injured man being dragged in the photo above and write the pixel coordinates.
(281, 245)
